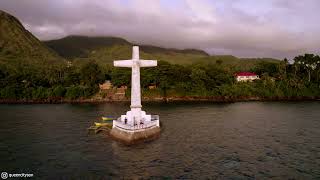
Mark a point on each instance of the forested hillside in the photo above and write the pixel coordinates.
(17, 42)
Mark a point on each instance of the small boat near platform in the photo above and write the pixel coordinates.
(104, 125)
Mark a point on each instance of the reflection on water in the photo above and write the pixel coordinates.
(253, 140)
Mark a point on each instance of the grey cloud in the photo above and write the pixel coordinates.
(283, 29)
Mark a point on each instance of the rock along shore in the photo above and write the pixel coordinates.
(217, 99)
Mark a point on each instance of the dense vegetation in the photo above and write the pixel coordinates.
(81, 79)
(282, 79)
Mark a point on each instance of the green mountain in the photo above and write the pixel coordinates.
(106, 55)
(106, 49)
(81, 46)
(154, 49)
(18, 43)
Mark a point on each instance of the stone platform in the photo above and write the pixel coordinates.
(135, 134)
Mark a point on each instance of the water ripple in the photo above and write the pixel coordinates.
(199, 141)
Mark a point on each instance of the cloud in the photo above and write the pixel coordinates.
(268, 28)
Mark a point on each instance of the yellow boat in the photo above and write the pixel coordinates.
(107, 118)
(100, 124)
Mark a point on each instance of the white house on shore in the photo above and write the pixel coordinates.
(246, 76)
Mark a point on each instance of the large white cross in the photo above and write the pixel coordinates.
(135, 63)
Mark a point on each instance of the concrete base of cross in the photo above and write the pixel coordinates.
(134, 137)
(130, 133)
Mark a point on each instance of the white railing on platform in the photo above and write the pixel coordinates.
(154, 117)
(119, 124)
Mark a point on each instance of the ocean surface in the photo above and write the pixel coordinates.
(249, 140)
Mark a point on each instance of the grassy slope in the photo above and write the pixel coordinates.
(81, 46)
(117, 52)
(18, 47)
(106, 49)
(108, 54)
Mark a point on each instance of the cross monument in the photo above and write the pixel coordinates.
(135, 116)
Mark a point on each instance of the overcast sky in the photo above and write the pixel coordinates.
(245, 28)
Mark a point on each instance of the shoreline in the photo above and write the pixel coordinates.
(213, 99)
